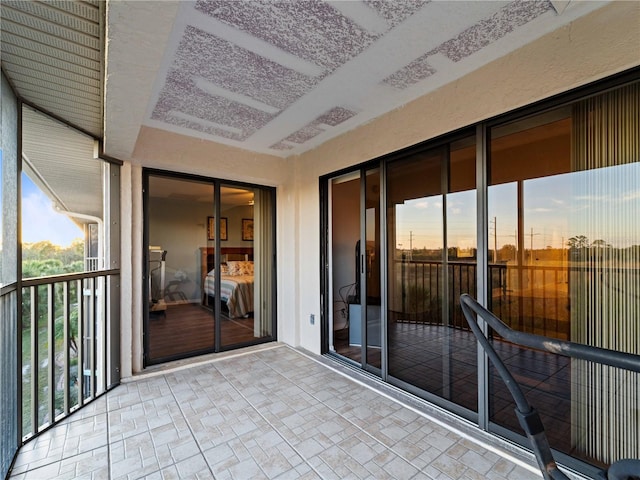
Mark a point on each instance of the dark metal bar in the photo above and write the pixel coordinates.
(114, 331)
(5, 289)
(33, 293)
(105, 336)
(68, 277)
(527, 415)
(92, 337)
(544, 302)
(613, 358)
(51, 331)
(80, 345)
(66, 335)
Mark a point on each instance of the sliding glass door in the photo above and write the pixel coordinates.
(395, 298)
(431, 260)
(356, 331)
(246, 265)
(179, 223)
(563, 202)
(370, 272)
(210, 266)
(547, 238)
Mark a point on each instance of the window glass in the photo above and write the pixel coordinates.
(430, 208)
(563, 262)
(246, 283)
(181, 229)
(63, 208)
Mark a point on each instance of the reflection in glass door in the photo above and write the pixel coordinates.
(430, 223)
(346, 320)
(245, 308)
(178, 322)
(431, 261)
(370, 269)
(563, 192)
(356, 320)
(210, 266)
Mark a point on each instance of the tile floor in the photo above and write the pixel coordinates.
(271, 412)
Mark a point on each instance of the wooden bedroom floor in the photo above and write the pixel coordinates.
(188, 328)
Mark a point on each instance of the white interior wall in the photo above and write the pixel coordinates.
(180, 227)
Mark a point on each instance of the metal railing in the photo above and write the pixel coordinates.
(528, 417)
(68, 347)
(92, 264)
(529, 298)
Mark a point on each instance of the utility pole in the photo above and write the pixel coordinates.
(410, 245)
(531, 246)
(495, 239)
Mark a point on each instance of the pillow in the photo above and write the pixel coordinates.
(223, 268)
(240, 267)
(248, 268)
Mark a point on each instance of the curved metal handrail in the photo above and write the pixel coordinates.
(527, 415)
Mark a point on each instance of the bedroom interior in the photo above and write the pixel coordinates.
(182, 230)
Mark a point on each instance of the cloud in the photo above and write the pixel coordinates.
(541, 209)
(421, 205)
(631, 196)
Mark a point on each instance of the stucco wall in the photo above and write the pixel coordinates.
(595, 46)
(169, 151)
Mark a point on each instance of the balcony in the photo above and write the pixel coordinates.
(265, 412)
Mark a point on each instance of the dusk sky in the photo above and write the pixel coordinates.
(40, 221)
(600, 204)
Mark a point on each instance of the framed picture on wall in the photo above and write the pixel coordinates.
(211, 228)
(247, 229)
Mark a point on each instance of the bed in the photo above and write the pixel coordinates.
(236, 281)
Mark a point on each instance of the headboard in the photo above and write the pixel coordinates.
(207, 256)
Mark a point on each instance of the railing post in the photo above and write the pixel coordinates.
(51, 351)
(66, 318)
(35, 367)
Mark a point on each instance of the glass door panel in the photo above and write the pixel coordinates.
(371, 263)
(564, 264)
(529, 207)
(345, 220)
(236, 302)
(461, 372)
(247, 249)
(179, 322)
(415, 270)
(431, 228)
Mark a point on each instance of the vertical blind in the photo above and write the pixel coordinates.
(604, 278)
(263, 261)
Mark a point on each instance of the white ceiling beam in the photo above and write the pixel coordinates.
(204, 123)
(387, 55)
(213, 89)
(363, 15)
(253, 44)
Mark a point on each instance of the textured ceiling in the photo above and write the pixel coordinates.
(270, 76)
(282, 77)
